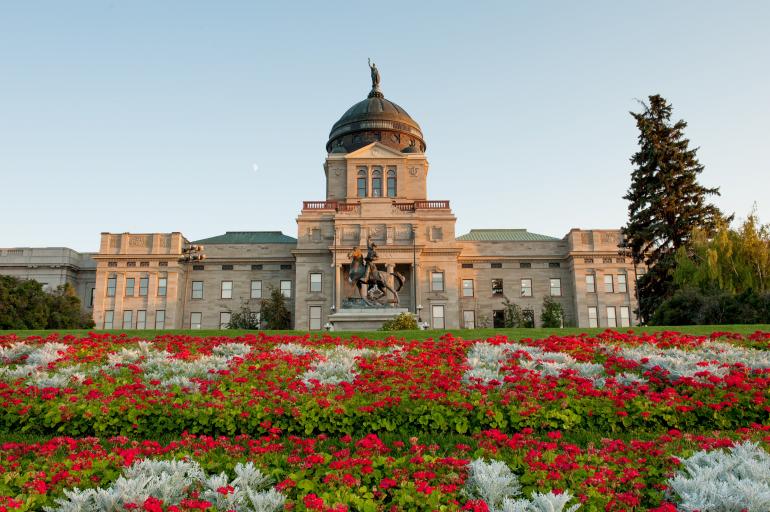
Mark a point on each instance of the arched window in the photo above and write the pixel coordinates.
(391, 183)
(362, 183)
(377, 183)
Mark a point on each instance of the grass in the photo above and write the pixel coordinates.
(514, 334)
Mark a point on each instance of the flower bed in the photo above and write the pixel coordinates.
(379, 425)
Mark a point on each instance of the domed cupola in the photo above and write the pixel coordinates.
(375, 119)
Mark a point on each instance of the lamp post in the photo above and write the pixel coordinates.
(190, 254)
(625, 251)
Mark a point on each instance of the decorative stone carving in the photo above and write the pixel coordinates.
(414, 171)
(138, 241)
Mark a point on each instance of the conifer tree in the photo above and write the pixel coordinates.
(666, 201)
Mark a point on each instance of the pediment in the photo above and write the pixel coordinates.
(375, 150)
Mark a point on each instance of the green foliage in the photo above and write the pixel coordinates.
(516, 317)
(25, 305)
(691, 306)
(244, 318)
(667, 204)
(275, 314)
(552, 314)
(402, 322)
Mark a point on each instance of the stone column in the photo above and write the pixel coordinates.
(337, 287)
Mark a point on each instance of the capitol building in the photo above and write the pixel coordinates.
(376, 192)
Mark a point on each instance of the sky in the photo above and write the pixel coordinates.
(206, 117)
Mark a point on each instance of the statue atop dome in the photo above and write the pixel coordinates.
(375, 76)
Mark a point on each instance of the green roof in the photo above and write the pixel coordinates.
(504, 235)
(249, 237)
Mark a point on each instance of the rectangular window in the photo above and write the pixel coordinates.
(622, 287)
(224, 319)
(608, 283)
(555, 287)
(315, 282)
(141, 319)
(438, 317)
(108, 318)
(593, 317)
(286, 289)
(554, 264)
(195, 320)
(625, 316)
(611, 322)
(315, 318)
(130, 263)
(91, 303)
(227, 267)
(130, 287)
(128, 317)
(286, 266)
(197, 289)
(256, 289)
(256, 267)
(144, 283)
(497, 286)
(497, 265)
(437, 281)
(144, 263)
(467, 287)
(111, 284)
(227, 290)
(525, 264)
(469, 319)
(590, 283)
(526, 287)
(467, 265)
(163, 263)
(162, 285)
(160, 319)
(198, 267)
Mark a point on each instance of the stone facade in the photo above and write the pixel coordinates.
(376, 189)
(53, 267)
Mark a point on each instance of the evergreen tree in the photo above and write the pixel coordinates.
(275, 314)
(666, 201)
(552, 314)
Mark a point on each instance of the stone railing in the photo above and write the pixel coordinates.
(337, 206)
(431, 205)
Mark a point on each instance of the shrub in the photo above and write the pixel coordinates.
(401, 322)
(244, 318)
(275, 314)
(552, 314)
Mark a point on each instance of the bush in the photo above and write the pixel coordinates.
(25, 305)
(275, 314)
(402, 322)
(552, 314)
(245, 318)
(515, 316)
(691, 306)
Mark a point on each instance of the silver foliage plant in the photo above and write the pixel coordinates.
(495, 484)
(724, 481)
(486, 362)
(170, 481)
(339, 365)
(156, 364)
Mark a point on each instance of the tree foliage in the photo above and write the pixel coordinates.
(275, 313)
(25, 305)
(721, 279)
(552, 314)
(244, 318)
(515, 316)
(666, 202)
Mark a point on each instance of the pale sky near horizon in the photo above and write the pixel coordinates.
(150, 116)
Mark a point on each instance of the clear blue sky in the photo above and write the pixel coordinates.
(148, 116)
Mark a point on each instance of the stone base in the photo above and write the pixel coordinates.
(363, 319)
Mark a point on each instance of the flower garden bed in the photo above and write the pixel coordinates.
(357, 424)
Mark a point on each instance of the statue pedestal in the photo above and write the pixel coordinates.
(363, 318)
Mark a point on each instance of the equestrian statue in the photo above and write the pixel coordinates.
(364, 272)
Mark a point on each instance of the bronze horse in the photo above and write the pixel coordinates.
(364, 273)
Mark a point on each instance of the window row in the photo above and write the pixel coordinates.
(370, 184)
(130, 288)
(255, 290)
(129, 321)
(618, 284)
(554, 286)
(612, 321)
